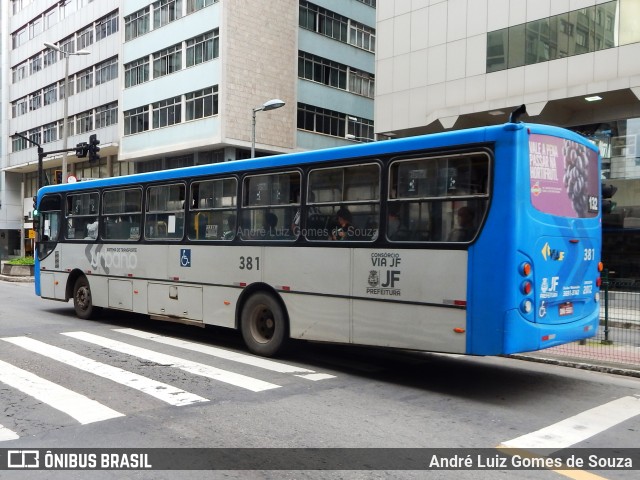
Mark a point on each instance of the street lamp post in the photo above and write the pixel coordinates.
(266, 106)
(65, 128)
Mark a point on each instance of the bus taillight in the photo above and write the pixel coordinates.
(526, 287)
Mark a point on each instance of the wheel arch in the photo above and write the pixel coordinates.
(71, 281)
(255, 288)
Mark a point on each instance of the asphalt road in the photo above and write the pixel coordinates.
(205, 391)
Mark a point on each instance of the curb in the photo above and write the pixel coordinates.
(16, 279)
(628, 372)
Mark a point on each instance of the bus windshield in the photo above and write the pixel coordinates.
(564, 177)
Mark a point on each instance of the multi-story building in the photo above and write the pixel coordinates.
(450, 64)
(171, 83)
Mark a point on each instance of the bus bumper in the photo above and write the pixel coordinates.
(523, 336)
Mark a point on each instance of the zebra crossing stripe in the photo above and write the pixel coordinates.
(6, 434)
(162, 391)
(580, 427)
(195, 368)
(83, 409)
(227, 354)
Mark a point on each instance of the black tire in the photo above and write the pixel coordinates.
(263, 325)
(82, 299)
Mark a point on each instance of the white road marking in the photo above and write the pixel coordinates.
(226, 354)
(314, 377)
(195, 368)
(579, 427)
(67, 401)
(6, 434)
(159, 390)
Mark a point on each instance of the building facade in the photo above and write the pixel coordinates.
(451, 64)
(171, 83)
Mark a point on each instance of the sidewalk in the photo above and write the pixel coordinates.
(619, 360)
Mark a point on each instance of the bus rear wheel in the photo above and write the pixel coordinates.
(263, 324)
(82, 300)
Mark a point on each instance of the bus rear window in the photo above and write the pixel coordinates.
(564, 177)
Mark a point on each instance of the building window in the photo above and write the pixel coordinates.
(359, 129)
(166, 11)
(321, 120)
(35, 64)
(202, 103)
(107, 71)
(194, 5)
(203, 48)
(50, 132)
(50, 18)
(19, 107)
(35, 100)
(67, 7)
(84, 80)
(361, 83)
(107, 115)
(136, 120)
(50, 94)
(19, 143)
(35, 27)
(61, 85)
(371, 3)
(50, 57)
(19, 38)
(35, 135)
(136, 24)
(107, 26)
(321, 70)
(362, 36)
(323, 21)
(85, 37)
(67, 45)
(84, 122)
(167, 112)
(167, 61)
(136, 72)
(19, 72)
(70, 127)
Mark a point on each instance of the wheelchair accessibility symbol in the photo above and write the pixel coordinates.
(185, 257)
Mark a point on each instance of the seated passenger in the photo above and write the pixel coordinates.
(465, 230)
(344, 229)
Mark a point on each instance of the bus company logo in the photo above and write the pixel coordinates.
(536, 190)
(112, 257)
(549, 253)
(374, 278)
(549, 287)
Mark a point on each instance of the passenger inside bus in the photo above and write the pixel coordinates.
(343, 229)
(465, 229)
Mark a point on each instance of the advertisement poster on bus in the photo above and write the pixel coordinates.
(564, 177)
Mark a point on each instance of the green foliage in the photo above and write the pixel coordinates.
(21, 261)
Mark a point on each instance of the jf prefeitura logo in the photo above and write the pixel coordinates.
(384, 279)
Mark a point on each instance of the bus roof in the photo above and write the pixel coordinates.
(453, 138)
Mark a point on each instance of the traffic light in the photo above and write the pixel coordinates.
(81, 149)
(94, 148)
(608, 191)
(35, 213)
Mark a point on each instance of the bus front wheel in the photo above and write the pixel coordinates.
(82, 300)
(263, 324)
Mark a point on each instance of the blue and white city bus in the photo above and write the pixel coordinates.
(483, 241)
